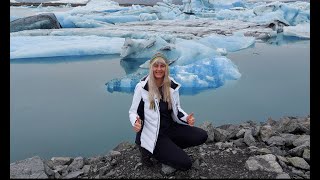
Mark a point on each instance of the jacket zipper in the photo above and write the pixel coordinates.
(175, 111)
(157, 109)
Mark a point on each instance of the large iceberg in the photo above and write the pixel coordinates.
(290, 14)
(203, 74)
(51, 46)
(198, 64)
(195, 35)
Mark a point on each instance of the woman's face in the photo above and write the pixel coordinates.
(159, 69)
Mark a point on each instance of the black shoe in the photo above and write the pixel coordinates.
(145, 157)
(146, 162)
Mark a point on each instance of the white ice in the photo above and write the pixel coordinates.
(230, 43)
(211, 72)
(300, 30)
(55, 1)
(51, 46)
(197, 43)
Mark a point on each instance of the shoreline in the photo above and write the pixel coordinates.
(271, 149)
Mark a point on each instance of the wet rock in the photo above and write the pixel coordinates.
(73, 175)
(76, 164)
(306, 155)
(28, 168)
(283, 176)
(167, 169)
(299, 162)
(248, 138)
(276, 140)
(264, 162)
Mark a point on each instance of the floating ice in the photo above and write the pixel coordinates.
(206, 73)
(50, 46)
(230, 43)
(144, 48)
(127, 83)
(194, 41)
(300, 30)
(203, 74)
(252, 18)
(148, 17)
(96, 6)
(243, 14)
(291, 14)
(181, 51)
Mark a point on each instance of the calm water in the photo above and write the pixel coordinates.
(60, 106)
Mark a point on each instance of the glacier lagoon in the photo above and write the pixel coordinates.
(62, 107)
(61, 103)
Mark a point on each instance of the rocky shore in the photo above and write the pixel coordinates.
(267, 150)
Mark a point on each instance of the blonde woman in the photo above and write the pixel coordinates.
(163, 128)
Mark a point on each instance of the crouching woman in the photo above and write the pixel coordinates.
(163, 128)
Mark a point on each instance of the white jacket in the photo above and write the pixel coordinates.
(151, 118)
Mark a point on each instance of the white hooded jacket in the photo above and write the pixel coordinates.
(151, 118)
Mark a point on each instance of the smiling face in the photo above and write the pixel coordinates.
(159, 68)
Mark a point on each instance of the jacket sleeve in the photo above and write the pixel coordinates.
(133, 111)
(182, 115)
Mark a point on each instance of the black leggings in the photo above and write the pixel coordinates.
(170, 145)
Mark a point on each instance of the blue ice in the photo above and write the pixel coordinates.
(208, 73)
(231, 43)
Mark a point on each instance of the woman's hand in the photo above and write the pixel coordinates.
(190, 119)
(137, 125)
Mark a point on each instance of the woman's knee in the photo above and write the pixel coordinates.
(202, 135)
(205, 136)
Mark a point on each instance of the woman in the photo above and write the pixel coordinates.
(163, 128)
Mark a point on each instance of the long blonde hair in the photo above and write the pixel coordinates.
(153, 88)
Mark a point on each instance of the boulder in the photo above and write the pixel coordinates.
(29, 168)
(40, 21)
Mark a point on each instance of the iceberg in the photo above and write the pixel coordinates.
(195, 35)
(96, 6)
(300, 30)
(179, 51)
(51, 46)
(291, 14)
(145, 48)
(208, 73)
(241, 14)
(231, 43)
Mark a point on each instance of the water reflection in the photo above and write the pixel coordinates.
(131, 65)
(73, 97)
(281, 39)
(129, 90)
